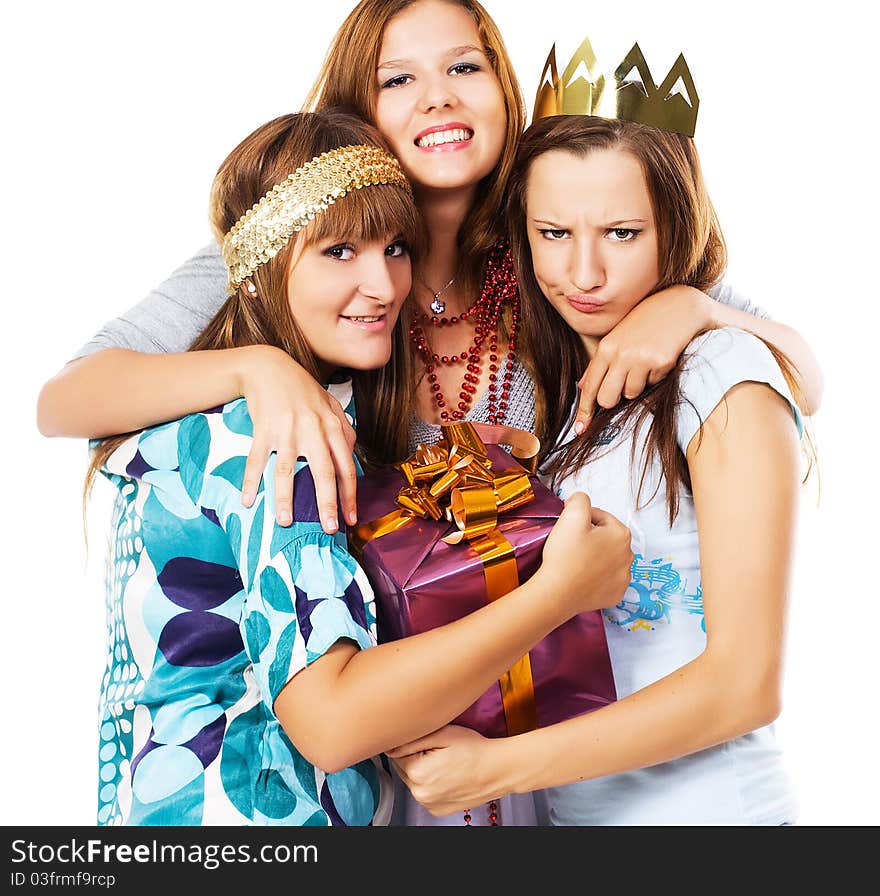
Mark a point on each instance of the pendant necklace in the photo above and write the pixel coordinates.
(438, 306)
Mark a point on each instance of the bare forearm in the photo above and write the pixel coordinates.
(395, 692)
(698, 706)
(118, 390)
(788, 341)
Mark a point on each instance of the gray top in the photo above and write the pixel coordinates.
(173, 314)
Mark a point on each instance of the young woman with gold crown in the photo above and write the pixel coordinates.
(243, 683)
(438, 83)
(607, 206)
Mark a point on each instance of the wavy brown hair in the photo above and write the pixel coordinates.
(691, 252)
(348, 78)
(383, 398)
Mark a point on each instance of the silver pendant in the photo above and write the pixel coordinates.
(438, 306)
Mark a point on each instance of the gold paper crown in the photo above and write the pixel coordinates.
(262, 231)
(583, 90)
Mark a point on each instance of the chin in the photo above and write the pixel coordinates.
(373, 362)
(598, 331)
(455, 182)
(453, 177)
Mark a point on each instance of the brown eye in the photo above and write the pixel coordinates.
(397, 81)
(397, 248)
(623, 234)
(342, 252)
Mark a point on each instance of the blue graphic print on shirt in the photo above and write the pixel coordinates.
(655, 590)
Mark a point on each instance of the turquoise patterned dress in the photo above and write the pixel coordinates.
(211, 609)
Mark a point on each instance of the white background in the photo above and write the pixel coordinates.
(115, 117)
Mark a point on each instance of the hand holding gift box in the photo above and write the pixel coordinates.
(457, 525)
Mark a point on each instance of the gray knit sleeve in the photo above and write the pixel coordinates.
(173, 314)
(724, 293)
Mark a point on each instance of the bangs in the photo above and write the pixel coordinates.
(372, 213)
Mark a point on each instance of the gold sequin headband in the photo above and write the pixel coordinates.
(262, 231)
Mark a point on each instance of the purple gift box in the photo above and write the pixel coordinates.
(420, 582)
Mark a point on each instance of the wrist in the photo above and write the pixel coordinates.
(249, 364)
(705, 308)
(510, 765)
(243, 359)
(554, 590)
(715, 313)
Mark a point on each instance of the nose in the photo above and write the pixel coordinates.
(437, 93)
(587, 268)
(380, 280)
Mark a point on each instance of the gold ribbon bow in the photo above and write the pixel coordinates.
(454, 479)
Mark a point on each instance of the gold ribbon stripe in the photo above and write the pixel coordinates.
(517, 685)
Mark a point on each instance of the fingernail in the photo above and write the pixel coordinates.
(247, 498)
(579, 427)
(332, 525)
(352, 518)
(285, 518)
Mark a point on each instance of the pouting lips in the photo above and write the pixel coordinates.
(436, 138)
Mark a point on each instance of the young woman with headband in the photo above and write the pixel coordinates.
(243, 683)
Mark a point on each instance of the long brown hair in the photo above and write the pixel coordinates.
(262, 160)
(691, 252)
(348, 78)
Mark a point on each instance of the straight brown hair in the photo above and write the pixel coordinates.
(383, 398)
(691, 252)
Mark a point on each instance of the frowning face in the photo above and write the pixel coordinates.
(592, 236)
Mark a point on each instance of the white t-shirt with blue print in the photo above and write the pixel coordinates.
(212, 608)
(659, 626)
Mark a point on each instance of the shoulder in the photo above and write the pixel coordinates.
(715, 362)
(224, 430)
(727, 348)
(180, 445)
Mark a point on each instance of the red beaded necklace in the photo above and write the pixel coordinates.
(499, 287)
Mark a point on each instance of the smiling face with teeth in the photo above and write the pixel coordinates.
(439, 102)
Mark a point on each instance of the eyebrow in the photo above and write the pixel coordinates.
(455, 51)
(609, 224)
